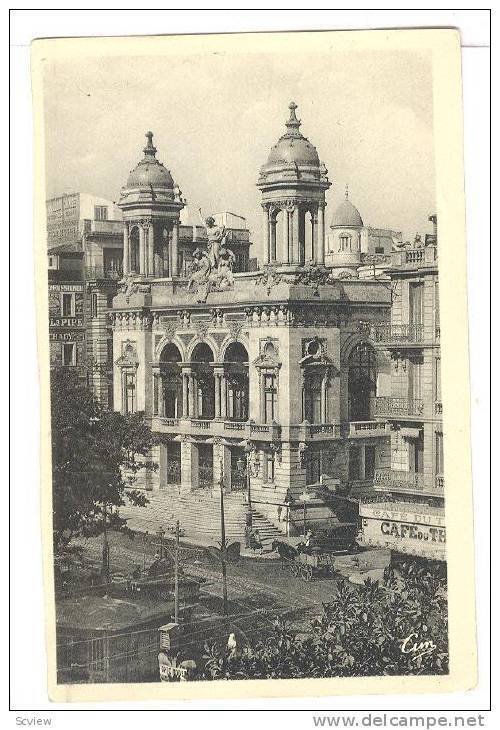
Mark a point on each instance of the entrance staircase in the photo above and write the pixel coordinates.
(199, 516)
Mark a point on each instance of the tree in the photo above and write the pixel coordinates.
(361, 632)
(96, 455)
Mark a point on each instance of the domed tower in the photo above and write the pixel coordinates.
(151, 205)
(293, 183)
(344, 242)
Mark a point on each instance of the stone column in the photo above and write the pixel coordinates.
(151, 250)
(223, 395)
(160, 394)
(193, 396)
(324, 414)
(295, 236)
(321, 234)
(221, 462)
(272, 239)
(126, 252)
(314, 237)
(189, 465)
(265, 231)
(174, 250)
(217, 382)
(185, 391)
(142, 250)
(286, 236)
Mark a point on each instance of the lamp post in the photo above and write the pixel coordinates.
(305, 498)
(223, 543)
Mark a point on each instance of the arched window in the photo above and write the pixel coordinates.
(134, 250)
(236, 374)
(205, 382)
(313, 387)
(362, 382)
(169, 394)
(345, 242)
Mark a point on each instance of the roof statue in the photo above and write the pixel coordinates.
(211, 270)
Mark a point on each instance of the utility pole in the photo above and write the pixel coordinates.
(176, 578)
(223, 544)
(105, 548)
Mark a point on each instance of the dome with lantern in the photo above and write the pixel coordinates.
(293, 147)
(149, 180)
(293, 161)
(346, 214)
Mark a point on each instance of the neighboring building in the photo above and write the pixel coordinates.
(410, 514)
(85, 252)
(353, 247)
(270, 374)
(85, 259)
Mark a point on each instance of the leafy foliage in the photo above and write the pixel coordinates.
(95, 457)
(361, 632)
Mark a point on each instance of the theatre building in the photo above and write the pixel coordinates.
(271, 374)
(408, 514)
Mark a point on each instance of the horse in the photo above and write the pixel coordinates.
(285, 551)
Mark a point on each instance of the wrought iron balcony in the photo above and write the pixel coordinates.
(397, 334)
(399, 407)
(398, 480)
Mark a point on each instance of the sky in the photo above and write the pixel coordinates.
(216, 116)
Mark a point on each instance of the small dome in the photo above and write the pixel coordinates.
(346, 215)
(293, 146)
(150, 172)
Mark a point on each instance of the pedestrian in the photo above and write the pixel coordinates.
(280, 509)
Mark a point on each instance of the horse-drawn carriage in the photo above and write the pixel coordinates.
(317, 559)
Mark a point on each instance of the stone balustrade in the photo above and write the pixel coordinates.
(367, 428)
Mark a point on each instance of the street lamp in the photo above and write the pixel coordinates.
(249, 449)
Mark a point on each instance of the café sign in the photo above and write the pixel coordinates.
(407, 531)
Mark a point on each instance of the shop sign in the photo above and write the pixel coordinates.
(66, 288)
(66, 336)
(66, 321)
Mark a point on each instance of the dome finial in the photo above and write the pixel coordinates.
(149, 149)
(347, 191)
(293, 123)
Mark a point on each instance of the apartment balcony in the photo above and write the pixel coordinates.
(265, 431)
(102, 272)
(201, 427)
(396, 335)
(395, 408)
(312, 432)
(364, 429)
(415, 257)
(408, 482)
(107, 228)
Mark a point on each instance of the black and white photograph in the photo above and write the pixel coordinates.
(247, 438)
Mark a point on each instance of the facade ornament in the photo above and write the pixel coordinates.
(201, 329)
(184, 317)
(269, 278)
(314, 276)
(235, 328)
(209, 274)
(128, 357)
(130, 286)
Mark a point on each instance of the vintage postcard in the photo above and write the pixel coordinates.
(254, 368)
